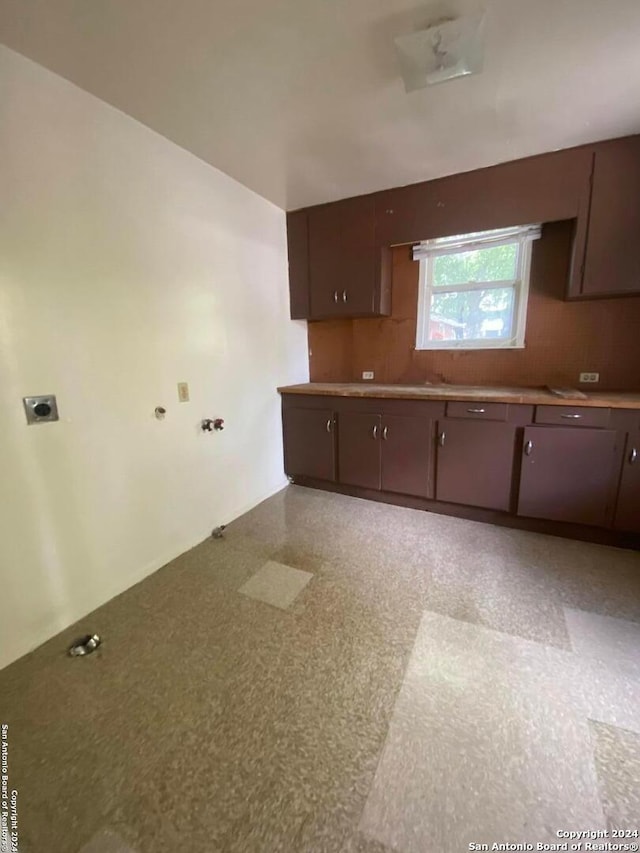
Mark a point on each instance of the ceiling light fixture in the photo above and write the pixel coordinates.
(444, 51)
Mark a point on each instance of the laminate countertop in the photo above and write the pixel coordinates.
(487, 393)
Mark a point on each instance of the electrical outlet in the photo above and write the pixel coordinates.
(368, 374)
(183, 392)
(589, 377)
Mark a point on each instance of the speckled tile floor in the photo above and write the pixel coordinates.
(434, 682)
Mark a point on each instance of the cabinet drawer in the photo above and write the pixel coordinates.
(572, 416)
(479, 411)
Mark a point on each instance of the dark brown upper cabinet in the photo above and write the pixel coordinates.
(610, 245)
(298, 250)
(339, 253)
(335, 267)
(547, 188)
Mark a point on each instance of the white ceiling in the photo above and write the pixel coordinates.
(301, 100)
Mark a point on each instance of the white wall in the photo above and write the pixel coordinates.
(126, 265)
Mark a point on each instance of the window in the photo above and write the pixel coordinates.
(474, 288)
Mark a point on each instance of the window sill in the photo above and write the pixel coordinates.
(474, 348)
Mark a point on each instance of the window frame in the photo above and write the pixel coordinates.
(426, 253)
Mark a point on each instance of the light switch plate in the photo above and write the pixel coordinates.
(183, 392)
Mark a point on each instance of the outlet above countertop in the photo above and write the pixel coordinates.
(487, 393)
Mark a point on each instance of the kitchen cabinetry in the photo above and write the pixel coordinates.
(575, 416)
(530, 465)
(346, 275)
(567, 474)
(406, 445)
(359, 449)
(298, 253)
(339, 255)
(611, 265)
(385, 451)
(628, 507)
(309, 443)
(547, 188)
(475, 463)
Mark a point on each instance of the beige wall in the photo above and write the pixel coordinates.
(126, 265)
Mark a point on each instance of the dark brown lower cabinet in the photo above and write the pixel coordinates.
(406, 455)
(359, 437)
(475, 463)
(628, 507)
(518, 463)
(309, 443)
(388, 452)
(567, 474)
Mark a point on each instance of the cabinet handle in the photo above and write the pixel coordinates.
(385, 433)
(329, 425)
(335, 296)
(528, 448)
(572, 417)
(441, 438)
(344, 295)
(477, 411)
(375, 431)
(633, 455)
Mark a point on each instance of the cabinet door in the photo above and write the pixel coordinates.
(342, 259)
(612, 258)
(298, 256)
(567, 474)
(406, 454)
(309, 443)
(475, 463)
(359, 449)
(628, 508)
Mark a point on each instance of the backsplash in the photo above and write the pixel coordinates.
(563, 339)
